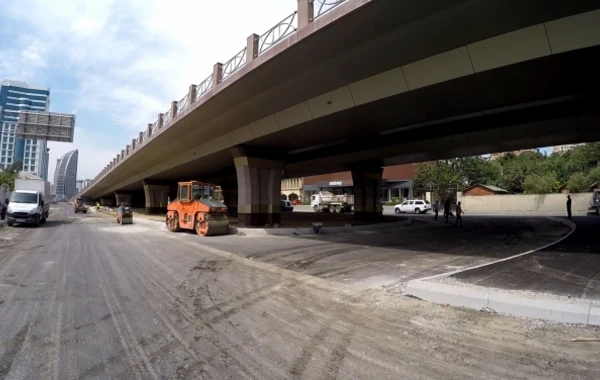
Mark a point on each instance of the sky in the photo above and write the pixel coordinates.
(117, 64)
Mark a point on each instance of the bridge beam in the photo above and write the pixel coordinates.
(259, 188)
(366, 179)
(157, 197)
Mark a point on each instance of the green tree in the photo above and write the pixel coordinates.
(474, 170)
(594, 175)
(11, 173)
(540, 184)
(557, 164)
(578, 183)
(441, 177)
(583, 158)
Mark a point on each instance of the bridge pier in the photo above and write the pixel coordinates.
(259, 188)
(230, 198)
(157, 197)
(366, 188)
(123, 197)
(106, 202)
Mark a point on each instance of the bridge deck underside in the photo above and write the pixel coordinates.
(378, 37)
(568, 81)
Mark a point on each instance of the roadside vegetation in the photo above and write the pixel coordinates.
(8, 175)
(526, 173)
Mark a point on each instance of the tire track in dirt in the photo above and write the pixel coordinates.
(13, 347)
(136, 357)
(305, 263)
(160, 293)
(290, 251)
(308, 350)
(224, 348)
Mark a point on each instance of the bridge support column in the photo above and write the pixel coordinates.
(259, 189)
(366, 188)
(230, 198)
(157, 197)
(123, 197)
(107, 202)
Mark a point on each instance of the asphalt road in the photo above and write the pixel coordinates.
(84, 298)
(569, 268)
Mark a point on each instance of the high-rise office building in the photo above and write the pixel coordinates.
(15, 97)
(65, 175)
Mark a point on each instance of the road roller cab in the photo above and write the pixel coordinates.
(198, 207)
(124, 214)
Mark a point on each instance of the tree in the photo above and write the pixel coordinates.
(557, 164)
(474, 170)
(442, 177)
(11, 173)
(540, 184)
(594, 175)
(584, 158)
(578, 183)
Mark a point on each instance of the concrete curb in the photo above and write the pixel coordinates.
(504, 302)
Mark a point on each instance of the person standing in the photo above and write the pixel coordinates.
(569, 206)
(436, 209)
(459, 213)
(447, 210)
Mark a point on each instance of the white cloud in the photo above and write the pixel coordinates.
(129, 59)
(92, 156)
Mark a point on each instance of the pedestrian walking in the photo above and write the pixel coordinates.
(459, 213)
(569, 206)
(436, 209)
(447, 210)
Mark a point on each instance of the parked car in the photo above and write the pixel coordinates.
(413, 206)
(286, 206)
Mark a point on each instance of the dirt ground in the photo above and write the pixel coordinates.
(84, 298)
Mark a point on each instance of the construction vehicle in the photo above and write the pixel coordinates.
(78, 205)
(197, 207)
(124, 215)
(595, 202)
(326, 201)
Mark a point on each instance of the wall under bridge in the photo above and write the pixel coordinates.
(524, 202)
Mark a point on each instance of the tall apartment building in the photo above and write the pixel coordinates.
(564, 148)
(495, 156)
(34, 154)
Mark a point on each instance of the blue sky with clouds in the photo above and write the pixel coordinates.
(118, 63)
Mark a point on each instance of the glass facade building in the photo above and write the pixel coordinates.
(15, 97)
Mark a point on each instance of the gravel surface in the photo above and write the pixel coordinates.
(84, 298)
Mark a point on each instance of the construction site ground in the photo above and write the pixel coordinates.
(570, 269)
(293, 219)
(85, 298)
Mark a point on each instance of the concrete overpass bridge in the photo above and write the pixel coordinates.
(370, 83)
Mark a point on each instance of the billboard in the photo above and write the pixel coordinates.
(49, 126)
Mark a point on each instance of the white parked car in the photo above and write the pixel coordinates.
(415, 206)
